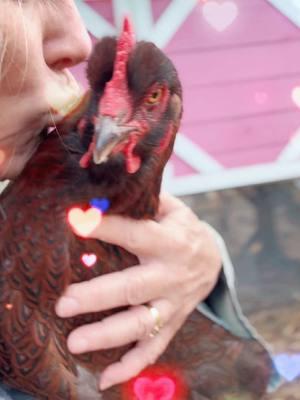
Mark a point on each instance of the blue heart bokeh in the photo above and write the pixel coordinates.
(102, 204)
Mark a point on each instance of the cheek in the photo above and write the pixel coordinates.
(153, 115)
(149, 116)
(155, 112)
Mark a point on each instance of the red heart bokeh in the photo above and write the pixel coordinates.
(162, 388)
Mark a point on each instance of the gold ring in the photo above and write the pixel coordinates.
(157, 320)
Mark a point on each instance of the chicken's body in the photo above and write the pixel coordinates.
(40, 257)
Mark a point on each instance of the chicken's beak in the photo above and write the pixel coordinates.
(109, 135)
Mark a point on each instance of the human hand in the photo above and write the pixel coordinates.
(179, 266)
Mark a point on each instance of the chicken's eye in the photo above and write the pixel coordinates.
(154, 97)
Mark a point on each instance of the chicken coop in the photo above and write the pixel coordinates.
(239, 65)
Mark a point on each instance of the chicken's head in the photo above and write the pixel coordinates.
(136, 105)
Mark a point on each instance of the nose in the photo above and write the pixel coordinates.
(66, 41)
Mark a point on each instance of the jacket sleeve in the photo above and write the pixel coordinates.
(7, 393)
(222, 306)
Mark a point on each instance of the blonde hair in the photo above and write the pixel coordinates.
(3, 37)
(8, 45)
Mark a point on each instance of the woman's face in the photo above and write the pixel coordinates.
(44, 38)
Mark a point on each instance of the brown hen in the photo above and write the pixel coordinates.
(115, 148)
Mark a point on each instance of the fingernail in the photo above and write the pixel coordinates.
(77, 344)
(67, 307)
(105, 384)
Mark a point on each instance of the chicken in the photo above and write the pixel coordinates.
(115, 147)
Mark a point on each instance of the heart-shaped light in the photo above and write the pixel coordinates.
(84, 222)
(162, 388)
(102, 204)
(220, 15)
(288, 365)
(89, 259)
(296, 95)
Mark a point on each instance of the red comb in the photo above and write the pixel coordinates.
(125, 45)
(116, 91)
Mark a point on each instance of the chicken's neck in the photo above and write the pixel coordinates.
(133, 195)
(55, 170)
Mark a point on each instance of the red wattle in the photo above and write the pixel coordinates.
(133, 162)
(85, 159)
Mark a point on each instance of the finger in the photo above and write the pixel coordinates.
(168, 205)
(132, 286)
(120, 329)
(141, 238)
(173, 213)
(145, 353)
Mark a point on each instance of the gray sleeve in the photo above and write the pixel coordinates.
(7, 393)
(222, 306)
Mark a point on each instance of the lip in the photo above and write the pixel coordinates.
(63, 95)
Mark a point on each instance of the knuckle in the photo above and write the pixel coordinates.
(179, 240)
(134, 289)
(188, 217)
(150, 357)
(161, 345)
(142, 327)
(193, 248)
(133, 240)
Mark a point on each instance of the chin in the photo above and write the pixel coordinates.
(13, 167)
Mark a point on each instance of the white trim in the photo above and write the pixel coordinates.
(291, 151)
(171, 20)
(169, 172)
(94, 23)
(161, 33)
(194, 156)
(232, 178)
(289, 8)
(121, 8)
(139, 11)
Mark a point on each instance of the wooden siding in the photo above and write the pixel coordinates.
(238, 83)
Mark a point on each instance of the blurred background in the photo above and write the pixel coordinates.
(237, 156)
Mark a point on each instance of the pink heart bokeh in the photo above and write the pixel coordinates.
(296, 95)
(162, 388)
(220, 15)
(89, 259)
